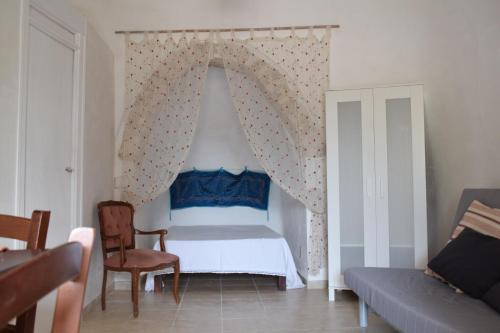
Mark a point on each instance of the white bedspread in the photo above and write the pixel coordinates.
(230, 249)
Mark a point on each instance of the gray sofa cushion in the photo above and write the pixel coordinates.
(413, 302)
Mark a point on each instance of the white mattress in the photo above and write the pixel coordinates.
(252, 249)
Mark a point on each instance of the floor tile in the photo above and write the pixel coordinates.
(237, 309)
(227, 304)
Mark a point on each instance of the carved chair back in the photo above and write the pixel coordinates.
(116, 218)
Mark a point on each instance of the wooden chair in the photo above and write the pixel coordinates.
(70, 296)
(33, 274)
(116, 219)
(34, 232)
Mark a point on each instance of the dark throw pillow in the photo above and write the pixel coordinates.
(478, 217)
(470, 262)
(492, 297)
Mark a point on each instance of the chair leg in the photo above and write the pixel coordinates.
(132, 287)
(164, 279)
(175, 287)
(103, 289)
(26, 321)
(158, 283)
(135, 292)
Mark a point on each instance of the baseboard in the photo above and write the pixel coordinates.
(313, 284)
(302, 278)
(92, 305)
(317, 284)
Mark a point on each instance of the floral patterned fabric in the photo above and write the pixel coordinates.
(163, 90)
(277, 86)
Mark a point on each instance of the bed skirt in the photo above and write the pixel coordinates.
(224, 249)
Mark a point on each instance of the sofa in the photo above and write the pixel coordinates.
(413, 302)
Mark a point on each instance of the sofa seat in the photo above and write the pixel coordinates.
(413, 302)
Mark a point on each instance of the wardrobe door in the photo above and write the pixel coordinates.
(350, 165)
(400, 174)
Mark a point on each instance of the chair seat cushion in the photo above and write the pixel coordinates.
(142, 259)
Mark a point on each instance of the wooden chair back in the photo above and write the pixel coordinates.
(25, 284)
(70, 296)
(32, 231)
(116, 218)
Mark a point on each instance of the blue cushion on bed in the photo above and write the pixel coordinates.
(220, 189)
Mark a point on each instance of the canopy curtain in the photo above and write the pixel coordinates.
(164, 82)
(277, 85)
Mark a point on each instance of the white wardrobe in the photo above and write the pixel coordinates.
(376, 180)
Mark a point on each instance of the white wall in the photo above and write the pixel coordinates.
(10, 11)
(451, 46)
(98, 155)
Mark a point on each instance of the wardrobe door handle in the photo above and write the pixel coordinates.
(380, 187)
(68, 169)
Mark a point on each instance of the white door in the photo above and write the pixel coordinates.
(400, 172)
(50, 126)
(350, 183)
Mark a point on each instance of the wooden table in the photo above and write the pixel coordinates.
(28, 275)
(13, 258)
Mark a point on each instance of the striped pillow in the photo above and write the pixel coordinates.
(480, 218)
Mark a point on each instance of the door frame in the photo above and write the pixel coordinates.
(60, 13)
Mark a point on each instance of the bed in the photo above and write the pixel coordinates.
(253, 249)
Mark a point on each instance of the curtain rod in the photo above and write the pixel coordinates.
(302, 27)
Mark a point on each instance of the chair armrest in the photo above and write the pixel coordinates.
(123, 255)
(154, 232)
(161, 232)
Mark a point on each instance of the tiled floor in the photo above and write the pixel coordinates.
(230, 303)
